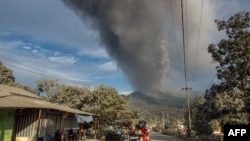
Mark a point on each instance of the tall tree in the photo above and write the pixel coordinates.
(7, 78)
(228, 101)
(48, 89)
(75, 97)
(112, 106)
(6, 75)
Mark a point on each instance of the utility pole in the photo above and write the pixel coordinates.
(188, 107)
(167, 120)
(163, 121)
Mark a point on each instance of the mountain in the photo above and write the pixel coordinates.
(171, 102)
(168, 98)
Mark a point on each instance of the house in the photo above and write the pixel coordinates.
(24, 116)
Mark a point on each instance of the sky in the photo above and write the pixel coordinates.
(128, 44)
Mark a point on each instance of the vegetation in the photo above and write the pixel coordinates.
(103, 100)
(199, 118)
(6, 75)
(228, 101)
(7, 78)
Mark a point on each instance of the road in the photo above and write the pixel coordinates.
(160, 137)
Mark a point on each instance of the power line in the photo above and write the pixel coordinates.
(198, 42)
(22, 63)
(186, 33)
(176, 47)
(209, 85)
(38, 72)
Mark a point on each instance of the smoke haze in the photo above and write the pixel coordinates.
(144, 37)
(132, 33)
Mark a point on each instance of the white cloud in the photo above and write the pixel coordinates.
(94, 52)
(49, 25)
(69, 60)
(57, 53)
(108, 66)
(34, 51)
(29, 67)
(125, 92)
(26, 47)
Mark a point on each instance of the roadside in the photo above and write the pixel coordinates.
(213, 137)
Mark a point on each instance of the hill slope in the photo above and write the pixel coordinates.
(171, 102)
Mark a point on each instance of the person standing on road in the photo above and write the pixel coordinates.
(145, 132)
(136, 134)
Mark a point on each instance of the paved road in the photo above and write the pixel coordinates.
(160, 137)
(156, 137)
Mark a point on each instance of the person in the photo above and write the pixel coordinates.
(57, 136)
(81, 132)
(136, 134)
(70, 135)
(145, 132)
(188, 132)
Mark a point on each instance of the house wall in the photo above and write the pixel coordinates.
(25, 123)
(50, 122)
(26, 127)
(53, 122)
(6, 124)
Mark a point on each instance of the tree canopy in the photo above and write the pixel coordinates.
(102, 100)
(228, 101)
(6, 75)
(7, 78)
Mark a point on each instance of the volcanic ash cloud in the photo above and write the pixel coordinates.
(132, 34)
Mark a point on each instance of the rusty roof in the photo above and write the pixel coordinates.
(11, 97)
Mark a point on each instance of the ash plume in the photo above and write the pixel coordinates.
(132, 33)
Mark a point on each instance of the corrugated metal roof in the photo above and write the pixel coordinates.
(11, 97)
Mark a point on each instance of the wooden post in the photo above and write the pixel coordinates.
(38, 123)
(64, 116)
(96, 123)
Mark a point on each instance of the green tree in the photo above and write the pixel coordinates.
(48, 89)
(7, 78)
(103, 100)
(111, 106)
(75, 97)
(6, 75)
(200, 124)
(228, 101)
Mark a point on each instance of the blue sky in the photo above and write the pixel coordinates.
(47, 40)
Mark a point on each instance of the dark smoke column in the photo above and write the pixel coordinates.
(131, 31)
